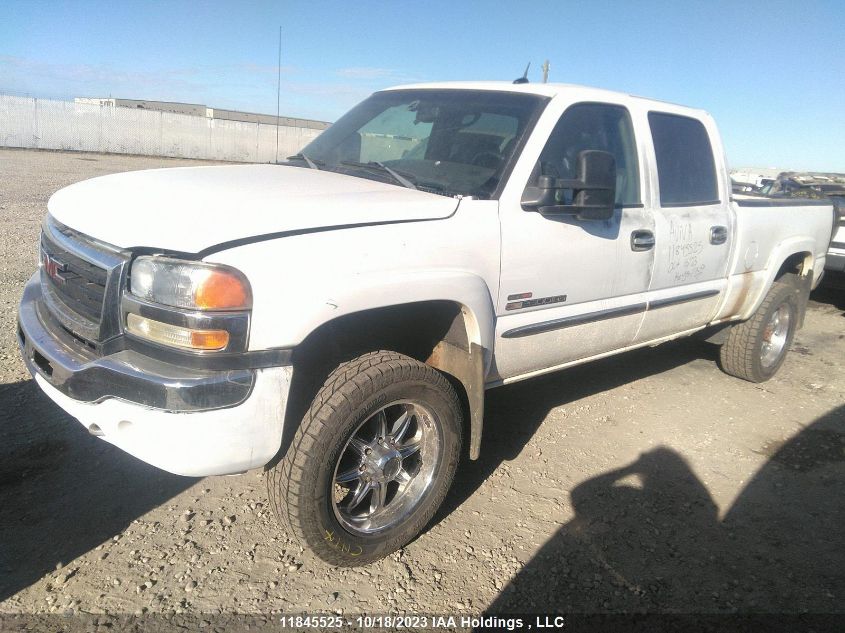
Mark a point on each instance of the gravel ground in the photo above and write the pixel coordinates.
(647, 482)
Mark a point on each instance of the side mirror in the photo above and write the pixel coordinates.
(593, 191)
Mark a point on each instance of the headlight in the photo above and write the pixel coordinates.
(191, 285)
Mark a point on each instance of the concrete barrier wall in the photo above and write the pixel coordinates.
(65, 125)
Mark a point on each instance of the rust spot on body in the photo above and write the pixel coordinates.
(740, 296)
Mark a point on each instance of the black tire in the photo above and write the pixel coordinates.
(741, 355)
(301, 486)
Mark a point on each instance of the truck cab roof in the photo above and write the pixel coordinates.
(573, 91)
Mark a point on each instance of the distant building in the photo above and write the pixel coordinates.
(196, 109)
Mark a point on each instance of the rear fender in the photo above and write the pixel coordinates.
(784, 251)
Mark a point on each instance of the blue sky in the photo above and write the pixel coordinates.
(771, 73)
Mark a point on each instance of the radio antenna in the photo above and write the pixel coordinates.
(278, 92)
(524, 78)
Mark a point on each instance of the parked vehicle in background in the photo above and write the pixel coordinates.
(836, 254)
(337, 319)
(755, 177)
(835, 192)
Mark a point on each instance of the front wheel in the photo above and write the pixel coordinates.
(756, 348)
(372, 460)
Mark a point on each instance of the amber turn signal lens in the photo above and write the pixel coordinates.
(221, 290)
(209, 339)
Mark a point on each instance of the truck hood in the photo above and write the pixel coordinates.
(191, 209)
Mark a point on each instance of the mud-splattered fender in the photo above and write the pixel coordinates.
(782, 252)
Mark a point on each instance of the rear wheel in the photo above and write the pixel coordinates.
(756, 349)
(372, 460)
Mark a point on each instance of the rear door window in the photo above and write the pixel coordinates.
(685, 168)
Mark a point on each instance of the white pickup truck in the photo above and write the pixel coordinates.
(338, 318)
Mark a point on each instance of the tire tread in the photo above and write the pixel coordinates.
(345, 388)
(739, 355)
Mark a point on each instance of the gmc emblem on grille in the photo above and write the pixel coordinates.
(54, 268)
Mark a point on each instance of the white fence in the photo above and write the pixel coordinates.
(65, 125)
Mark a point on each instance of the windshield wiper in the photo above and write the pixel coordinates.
(312, 164)
(374, 165)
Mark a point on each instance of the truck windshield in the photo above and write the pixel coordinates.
(450, 142)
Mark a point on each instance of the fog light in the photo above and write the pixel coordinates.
(176, 336)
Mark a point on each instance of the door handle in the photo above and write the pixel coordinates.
(642, 240)
(718, 234)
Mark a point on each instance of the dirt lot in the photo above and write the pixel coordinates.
(646, 482)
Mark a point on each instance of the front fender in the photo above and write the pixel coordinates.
(365, 292)
(276, 324)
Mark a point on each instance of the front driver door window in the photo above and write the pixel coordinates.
(594, 126)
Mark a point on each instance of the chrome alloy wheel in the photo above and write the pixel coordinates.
(775, 336)
(386, 467)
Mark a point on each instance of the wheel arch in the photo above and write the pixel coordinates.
(450, 329)
(793, 257)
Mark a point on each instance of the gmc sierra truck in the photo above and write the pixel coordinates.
(337, 319)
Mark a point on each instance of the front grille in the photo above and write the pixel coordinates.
(79, 284)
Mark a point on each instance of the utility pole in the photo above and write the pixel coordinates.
(278, 93)
(546, 72)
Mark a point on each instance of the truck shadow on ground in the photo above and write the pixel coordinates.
(513, 413)
(831, 291)
(648, 537)
(62, 491)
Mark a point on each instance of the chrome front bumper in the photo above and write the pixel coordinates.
(76, 371)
